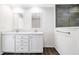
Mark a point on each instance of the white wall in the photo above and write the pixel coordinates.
(27, 20)
(5, 20)
(17, 22)
(47, 24)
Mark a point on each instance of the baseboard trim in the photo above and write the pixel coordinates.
(58, 50)
(49, 46)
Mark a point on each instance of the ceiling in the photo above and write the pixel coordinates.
(31, 5)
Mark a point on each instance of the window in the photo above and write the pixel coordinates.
(67, 15)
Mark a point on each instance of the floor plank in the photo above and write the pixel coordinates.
(46, 51)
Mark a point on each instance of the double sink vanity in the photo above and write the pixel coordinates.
(22, 42)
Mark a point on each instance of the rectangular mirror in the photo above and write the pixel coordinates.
(35, 20)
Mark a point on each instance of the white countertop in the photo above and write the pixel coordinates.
(22, 32)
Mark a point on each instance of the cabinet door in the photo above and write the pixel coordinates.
(8, 43)
(36, 44)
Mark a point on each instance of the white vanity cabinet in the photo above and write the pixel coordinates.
(22, 42)
(36, 43)
(8, 42)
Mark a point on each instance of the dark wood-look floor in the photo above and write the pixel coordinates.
(50, 51)
(46, 51)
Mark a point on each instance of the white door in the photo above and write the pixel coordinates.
(36, 43)
(8, 44)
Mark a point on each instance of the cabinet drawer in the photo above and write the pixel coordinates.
(21, 44)
(21, 36)
(8, 36)
(36, 36)
(21, 48)
(21, 41)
